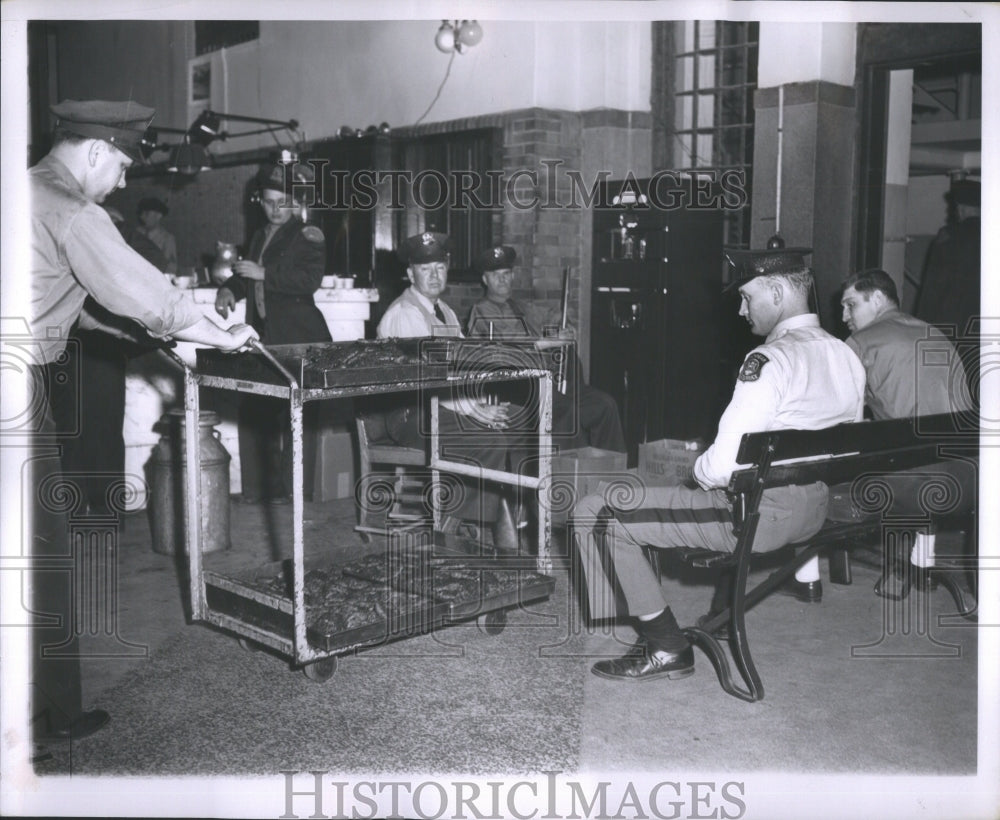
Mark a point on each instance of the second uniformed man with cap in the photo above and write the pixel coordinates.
(799, 377)
(580, 413)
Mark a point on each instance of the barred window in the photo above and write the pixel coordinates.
(449, 176)
(714, 69)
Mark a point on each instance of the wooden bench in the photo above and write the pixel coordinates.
(868, 455)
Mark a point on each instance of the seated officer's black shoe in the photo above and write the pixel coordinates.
(83, 726)
(896, 586)
(809, 592)
(641, 663)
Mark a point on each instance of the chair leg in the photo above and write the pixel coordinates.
(840, 567)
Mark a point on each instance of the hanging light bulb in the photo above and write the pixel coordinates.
(445, 37)
(470, 33)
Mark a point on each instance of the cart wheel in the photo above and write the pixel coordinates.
(492, 623)
(249, 645)
(321, 670)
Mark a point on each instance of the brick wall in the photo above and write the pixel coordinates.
(548, 238)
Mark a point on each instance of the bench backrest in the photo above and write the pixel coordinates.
(837, 454)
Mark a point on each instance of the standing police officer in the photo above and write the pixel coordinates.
(77, 251)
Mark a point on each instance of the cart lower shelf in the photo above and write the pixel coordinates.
(371, 601)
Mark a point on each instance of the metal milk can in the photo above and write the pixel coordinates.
(168, 468)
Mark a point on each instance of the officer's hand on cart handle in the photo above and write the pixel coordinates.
(224, 302)
(244, 338)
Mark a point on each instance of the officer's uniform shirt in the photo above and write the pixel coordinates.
(912, 368)
(800, 378)
(511, 319)
(76, 250)
(412, 315)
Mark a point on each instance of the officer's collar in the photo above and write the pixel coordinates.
(792, 322)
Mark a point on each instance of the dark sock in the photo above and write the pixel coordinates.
(663, 633)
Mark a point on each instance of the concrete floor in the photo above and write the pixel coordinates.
(812, 659)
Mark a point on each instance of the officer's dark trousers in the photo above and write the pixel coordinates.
(89, 410)
(264, 428)
(462, 440)
(56, 700)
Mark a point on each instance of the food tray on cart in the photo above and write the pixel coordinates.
(468, 586)
(366, 362)
(375, 599)
(492, 358)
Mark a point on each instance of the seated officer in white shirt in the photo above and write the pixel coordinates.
(801, 377)
(471, 430)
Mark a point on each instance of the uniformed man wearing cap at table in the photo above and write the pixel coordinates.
(77, 251)
(800, 377)
(281, 271)
(581, 413)
(479, 436)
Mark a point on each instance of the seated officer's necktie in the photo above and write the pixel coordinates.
(439, 314)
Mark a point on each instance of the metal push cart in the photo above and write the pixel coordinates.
(294, 611)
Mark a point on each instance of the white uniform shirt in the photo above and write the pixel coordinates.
(800, 378)
(412, 315)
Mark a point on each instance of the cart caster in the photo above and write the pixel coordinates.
(249, 645)
(492, 623)
(320, 671)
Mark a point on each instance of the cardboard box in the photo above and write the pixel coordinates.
(334, 473)
(668, 462)
(583, 470)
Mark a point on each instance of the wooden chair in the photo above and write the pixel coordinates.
(375, 447)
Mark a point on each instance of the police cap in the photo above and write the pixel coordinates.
(121, 124)
(284, 177)
(428, 246)
(749, 264)
(500, 257)
(965, 192)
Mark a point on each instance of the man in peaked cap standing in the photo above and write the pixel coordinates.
(480, 434)
(800, 377)
(949, 290)
(582, 411)
(282, 271)
(77, 251)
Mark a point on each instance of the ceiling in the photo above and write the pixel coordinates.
(946, 131)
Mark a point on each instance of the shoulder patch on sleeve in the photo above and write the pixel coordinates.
(312, 233)
(752, 366)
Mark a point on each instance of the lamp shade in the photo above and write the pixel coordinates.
(188, 159)
(470, 33)
(445, 38)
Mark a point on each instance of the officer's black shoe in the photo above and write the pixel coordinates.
(896, 586)
(641, 664)
(83, 726)
(809, 592)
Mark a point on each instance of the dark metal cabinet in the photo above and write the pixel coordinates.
(657, 329)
